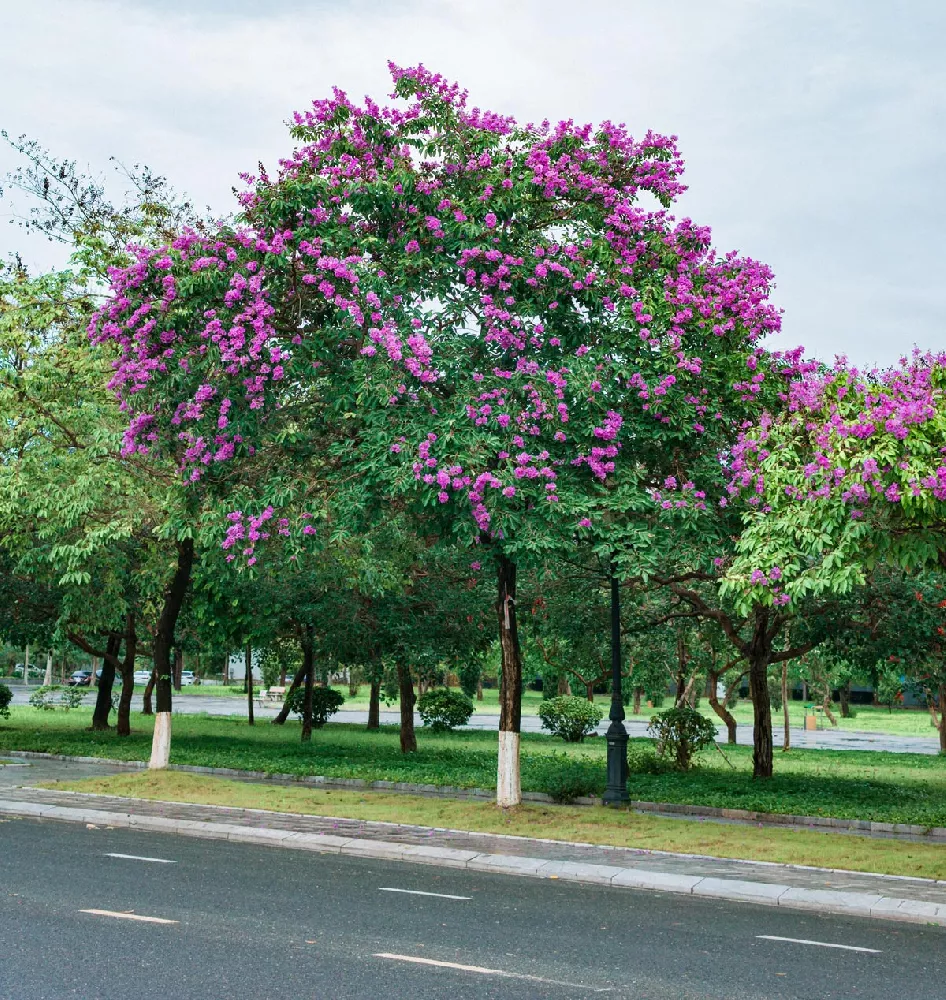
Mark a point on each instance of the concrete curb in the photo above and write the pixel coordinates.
(733, 890)
(862, 826)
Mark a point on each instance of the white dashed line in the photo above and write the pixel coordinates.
(816, 944)
(129, 916)
(136, 857)
(417, 892)
(480, 970)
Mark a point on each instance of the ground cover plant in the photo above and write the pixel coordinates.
(848, 784)
(595, 825)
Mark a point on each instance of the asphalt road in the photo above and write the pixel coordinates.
(254, 922)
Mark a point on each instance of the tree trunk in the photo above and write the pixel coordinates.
(128, 677)
(638, 694)
(103, 699)
(162, 644)
(590, 691)
(352, 684)
(845, 693)
(374, 706)
(479, 689)
(177, 667)
(146, 706)
(721, 710)
(405, 687)
(760, 654)
(249, 684)
(508, 784)
(826, 705)
(296, 681)
(942, 719)
(48, 678)
(563, 688)
(787, 739)
(308, 669)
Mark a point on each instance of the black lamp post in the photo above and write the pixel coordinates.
(616, 792)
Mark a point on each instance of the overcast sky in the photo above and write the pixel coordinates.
(814, 130)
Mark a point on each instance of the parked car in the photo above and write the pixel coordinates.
(80, 678)
(187, 677)
(142, 676)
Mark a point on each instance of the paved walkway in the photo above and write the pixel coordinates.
(887, 897)
(825, 739)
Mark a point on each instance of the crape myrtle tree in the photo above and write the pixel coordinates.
(848, 475)
(470, 297)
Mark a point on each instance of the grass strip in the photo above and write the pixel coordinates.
(847, 784)
(615, 828)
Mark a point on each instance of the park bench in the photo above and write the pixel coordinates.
(271, 696)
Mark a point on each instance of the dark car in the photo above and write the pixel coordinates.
(80, 678)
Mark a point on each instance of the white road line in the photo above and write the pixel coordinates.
(817, 944)
(417, 892)
(129, 916)
(415, 960)
(137, 857)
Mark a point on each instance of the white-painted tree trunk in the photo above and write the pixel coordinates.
(48, 679)
(508, 787)
(161, 743)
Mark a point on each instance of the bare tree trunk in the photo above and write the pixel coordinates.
(162, 643)
(128, 677)
(352, 684)
(308, 670)
(508, 782)
(177, 668)
(720, 710)
(845, 693)
(146, 707)
(48, 678)
(103, 699)
(298, 679)
(787, 739)
(479, 689)
(942, 718)
(826, 705)
(563, 687)
(249, 684)
(405, 686)
(374, 705)
(760, 654)
(638, 693)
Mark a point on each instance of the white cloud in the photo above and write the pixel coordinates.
(813, 132)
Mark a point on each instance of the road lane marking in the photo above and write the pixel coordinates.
(417, 892)
(481, 970)
(129, 916)
(817, 944)
(138, 857)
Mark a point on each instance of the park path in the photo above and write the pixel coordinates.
(822, 739)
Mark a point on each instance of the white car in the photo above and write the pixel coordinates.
(187, 677)
(142, 676)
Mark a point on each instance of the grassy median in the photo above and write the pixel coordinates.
(585, 824)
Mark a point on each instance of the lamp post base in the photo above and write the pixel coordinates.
(616, 791)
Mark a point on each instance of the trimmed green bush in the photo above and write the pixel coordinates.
(681, 733)
(326, 702)
(565, 779)
(6, 696)
(443, 710)
(569, 717)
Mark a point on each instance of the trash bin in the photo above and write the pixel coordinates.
(811, 720)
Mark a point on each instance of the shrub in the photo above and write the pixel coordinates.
(326, 701)
(443, 709)
(71, 697)
(565, 779)
(570, 717)
(680, 734)
(643, 760)
(6, 696)
(775, 693)
(42, 697)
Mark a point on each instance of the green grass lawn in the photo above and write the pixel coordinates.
(596, 825)
(898, 788)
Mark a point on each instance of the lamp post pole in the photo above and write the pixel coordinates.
(616, 792)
